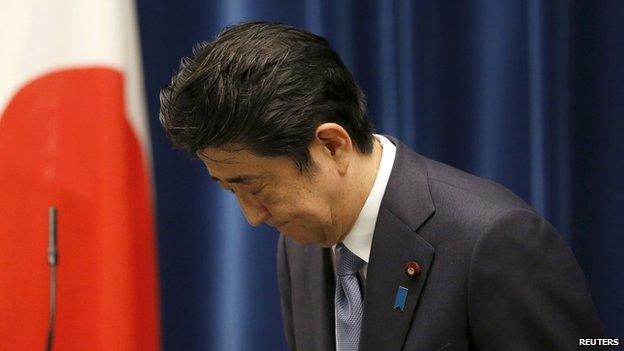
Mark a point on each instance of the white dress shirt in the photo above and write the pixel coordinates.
(360, 238)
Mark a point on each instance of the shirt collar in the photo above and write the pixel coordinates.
(359, 240)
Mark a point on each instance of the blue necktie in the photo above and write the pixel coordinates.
(348, 299)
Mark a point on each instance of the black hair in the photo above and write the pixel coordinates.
(265, 87)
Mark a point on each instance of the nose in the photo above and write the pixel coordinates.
(254, 212)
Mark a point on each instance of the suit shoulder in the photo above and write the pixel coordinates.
(445, 180)
(468, 206)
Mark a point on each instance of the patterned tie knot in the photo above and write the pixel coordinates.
(347, 263)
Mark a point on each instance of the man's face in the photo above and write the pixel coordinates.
(272, 190)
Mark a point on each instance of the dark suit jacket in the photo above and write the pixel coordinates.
(494, 274)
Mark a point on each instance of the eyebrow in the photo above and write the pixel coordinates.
(242, 179)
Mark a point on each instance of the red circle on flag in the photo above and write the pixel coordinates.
(65, 141)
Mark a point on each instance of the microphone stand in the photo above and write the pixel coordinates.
(52, 261)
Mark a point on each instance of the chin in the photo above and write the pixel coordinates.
(307, 238)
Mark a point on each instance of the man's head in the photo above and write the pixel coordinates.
(276, 103)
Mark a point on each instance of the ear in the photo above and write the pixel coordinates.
(336, 144)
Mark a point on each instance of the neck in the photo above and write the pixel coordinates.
(363, 174)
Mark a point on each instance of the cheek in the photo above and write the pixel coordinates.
(306, 202)
(299, 207)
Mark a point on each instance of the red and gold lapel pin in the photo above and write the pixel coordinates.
(412, 269)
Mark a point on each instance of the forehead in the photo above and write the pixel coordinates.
(224, 163)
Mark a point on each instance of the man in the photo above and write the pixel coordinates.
(380, 248)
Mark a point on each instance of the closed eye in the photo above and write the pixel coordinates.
(257, 192)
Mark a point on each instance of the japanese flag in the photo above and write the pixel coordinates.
(74, 134)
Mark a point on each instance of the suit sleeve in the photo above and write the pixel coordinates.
(283, 277)
(526, 290)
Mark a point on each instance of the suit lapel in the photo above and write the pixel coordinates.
(384, 327)
(321, 291)
(406, 205)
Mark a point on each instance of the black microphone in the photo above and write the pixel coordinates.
(52, 249)
(52, 262)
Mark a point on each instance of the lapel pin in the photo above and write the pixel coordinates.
(401, 296)
(412, 269)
